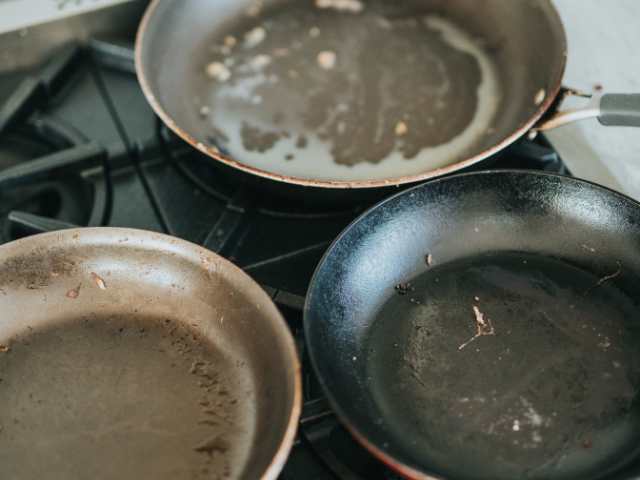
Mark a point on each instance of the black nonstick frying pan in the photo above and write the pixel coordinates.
(486, 326)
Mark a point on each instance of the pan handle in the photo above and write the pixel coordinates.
(620, 110)
(612, 110)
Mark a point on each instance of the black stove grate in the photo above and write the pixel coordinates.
(79, 145)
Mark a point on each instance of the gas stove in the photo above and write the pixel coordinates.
(80, 146)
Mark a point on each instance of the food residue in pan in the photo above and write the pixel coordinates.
(353, 6)
(213, 444)
(219, 71)
(99, 281)
(484, 328)
(608, 277)
(327, 59)
(403, 288)
(381, 92)
(253, 37)
(401, 128)
(75, 292)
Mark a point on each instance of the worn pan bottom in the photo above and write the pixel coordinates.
(132, 355)
(121, 397)
(549, 394)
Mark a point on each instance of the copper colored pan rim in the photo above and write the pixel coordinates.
(166, 118)
(280, 458)
(389, 461)
(147, 240)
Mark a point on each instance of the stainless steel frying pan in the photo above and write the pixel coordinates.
(349, 94)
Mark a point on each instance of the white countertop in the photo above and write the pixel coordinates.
(604, 49)
(18, 14)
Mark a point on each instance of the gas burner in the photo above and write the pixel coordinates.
(535, 154)
(338, 450)
(43, 161)
(41, 165)
(35, 138)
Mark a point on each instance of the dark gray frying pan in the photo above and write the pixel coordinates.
(542, 381)
(134, 355)
(351, 94)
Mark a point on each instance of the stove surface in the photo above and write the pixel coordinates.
(79, 145)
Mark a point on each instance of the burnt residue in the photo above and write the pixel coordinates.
(302, 141)
(106, 358)
(253, 138)
(213, 444)
(390, 69)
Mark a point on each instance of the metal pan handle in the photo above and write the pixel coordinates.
(620, 110)
(612, 110)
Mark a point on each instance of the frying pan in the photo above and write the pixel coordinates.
(541, 381)
(418, 89)
(129, 354)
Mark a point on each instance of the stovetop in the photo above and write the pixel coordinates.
(79, 145)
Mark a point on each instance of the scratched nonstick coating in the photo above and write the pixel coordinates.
(485, 326)
(134, 355)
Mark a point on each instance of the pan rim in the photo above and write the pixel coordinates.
(367, 444)
(185, 249)
(213, 154)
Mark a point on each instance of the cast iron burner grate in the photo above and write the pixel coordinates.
(42, 159)
(79, 145)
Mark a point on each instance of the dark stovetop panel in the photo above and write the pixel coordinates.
(79, 145)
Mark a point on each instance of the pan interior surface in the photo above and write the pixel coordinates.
(540, 382)
(351, 91)
(552, 393)
(128, 354)
(127, 396)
